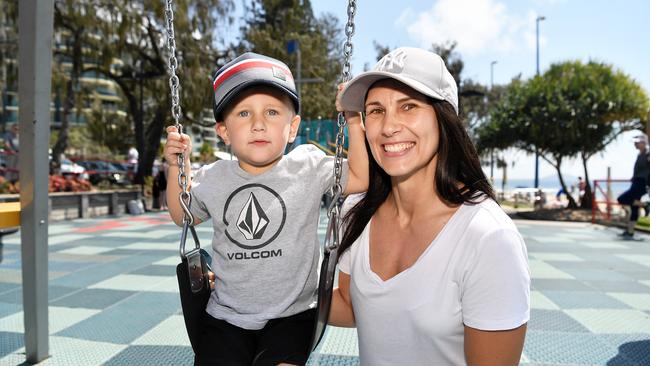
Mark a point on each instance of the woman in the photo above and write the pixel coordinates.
(432, 271)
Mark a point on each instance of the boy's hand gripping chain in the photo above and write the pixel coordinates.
(197, 259)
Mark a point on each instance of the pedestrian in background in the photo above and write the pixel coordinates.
(632, 197)
(11, 142)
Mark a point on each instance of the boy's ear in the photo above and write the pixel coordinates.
(293, 128)
(222, 132)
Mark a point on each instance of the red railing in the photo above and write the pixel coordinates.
(609, 203)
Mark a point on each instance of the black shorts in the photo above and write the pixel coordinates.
(281, 340)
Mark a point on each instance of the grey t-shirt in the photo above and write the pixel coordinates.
(265, 243)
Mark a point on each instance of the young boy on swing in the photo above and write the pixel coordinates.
(264, 209)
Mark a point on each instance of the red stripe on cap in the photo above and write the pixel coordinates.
(245, 65)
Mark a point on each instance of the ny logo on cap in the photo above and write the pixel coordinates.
(392, 62)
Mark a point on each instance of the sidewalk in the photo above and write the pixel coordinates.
(113, 296)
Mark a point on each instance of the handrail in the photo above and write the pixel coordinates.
(595, 202)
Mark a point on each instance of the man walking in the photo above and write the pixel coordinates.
(637, 189)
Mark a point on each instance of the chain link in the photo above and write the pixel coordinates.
(174, 85)
(337, 190)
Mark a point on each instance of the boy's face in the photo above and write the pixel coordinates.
(258, 125)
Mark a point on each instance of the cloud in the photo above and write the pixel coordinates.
(477, 26)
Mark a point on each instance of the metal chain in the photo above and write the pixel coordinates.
(174, 84)
(335, 207)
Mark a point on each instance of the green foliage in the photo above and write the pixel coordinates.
(271, 24)
(573, 109)
(110, 129)
(206, 152)
(80, 143)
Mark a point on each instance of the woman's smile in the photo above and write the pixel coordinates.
(398, 148)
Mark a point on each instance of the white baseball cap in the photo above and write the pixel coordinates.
(641, 138)
(422, 70)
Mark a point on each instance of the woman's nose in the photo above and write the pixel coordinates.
(391, 124)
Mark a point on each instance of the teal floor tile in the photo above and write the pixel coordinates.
(554, 320)
(584, 300)
(93, 298)
(567, 348)
(153, 355)
(127, 320)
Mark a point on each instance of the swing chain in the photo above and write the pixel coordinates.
(337, 191)
(174, 84)
(347, 46)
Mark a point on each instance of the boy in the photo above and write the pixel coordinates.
(264, 209)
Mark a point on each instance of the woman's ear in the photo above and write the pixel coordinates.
(222, 132)
(293, 128)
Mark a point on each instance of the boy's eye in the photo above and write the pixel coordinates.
(273, 112)
(243, 114)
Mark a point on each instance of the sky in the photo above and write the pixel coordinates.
(617, 33)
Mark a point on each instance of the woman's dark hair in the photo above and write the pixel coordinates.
(458, 162)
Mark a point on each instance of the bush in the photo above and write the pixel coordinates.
(68, 183)
(57, 183)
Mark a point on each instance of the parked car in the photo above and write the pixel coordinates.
(103, 171)
(69, 167)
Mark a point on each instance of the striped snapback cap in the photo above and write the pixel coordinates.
(248, 70)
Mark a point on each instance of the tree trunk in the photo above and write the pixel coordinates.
(586, 201)
(572, 202)
(62, 140)
(153, 135)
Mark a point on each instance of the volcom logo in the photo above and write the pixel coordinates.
(393, 62)
(252, 220)
(279, 73)
(257, 214)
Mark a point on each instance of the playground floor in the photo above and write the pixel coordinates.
(113, 296)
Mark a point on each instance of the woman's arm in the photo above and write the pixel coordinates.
(494, 348)
(341, 314)
(357, 154)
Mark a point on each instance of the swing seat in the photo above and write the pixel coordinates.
(192, 303)
(325, 290)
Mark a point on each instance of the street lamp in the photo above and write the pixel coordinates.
(492, 152)
(537, 20)
(492, 73)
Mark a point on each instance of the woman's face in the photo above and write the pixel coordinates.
(401, 128)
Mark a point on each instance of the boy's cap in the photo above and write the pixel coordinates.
(247, 70)
(422, 70)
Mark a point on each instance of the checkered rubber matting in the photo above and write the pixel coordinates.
(113, 296)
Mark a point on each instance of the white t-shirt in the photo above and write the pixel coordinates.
(475, 272)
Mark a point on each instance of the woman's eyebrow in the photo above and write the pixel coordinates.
(372, 103)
